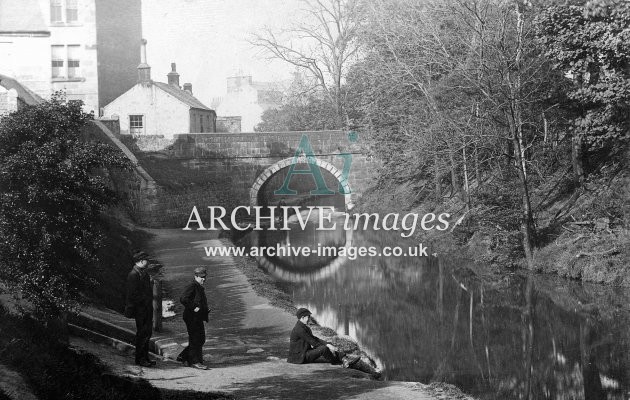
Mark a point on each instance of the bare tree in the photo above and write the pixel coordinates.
(407, 50)
(322, 43)
(508, 58)
(475, 66)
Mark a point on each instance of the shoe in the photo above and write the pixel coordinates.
(350, 360)
(199, 366)
(151, 362)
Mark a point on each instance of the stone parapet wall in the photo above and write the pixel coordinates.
(149, 144)
(232, 164)
(112, 124)
(136, 187)
(244, 156)
(258, 144)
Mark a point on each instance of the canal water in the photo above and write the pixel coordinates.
(432, 319)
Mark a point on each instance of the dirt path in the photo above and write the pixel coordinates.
(246, 345)
(240, 320)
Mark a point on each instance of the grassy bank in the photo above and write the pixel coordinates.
(582, 231)
(180, 188)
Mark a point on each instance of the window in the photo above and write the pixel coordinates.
(73, 61)
(66, 61)
(57, 11)
(58, 70)
(72, 10)
(201, 123)
(136, 125)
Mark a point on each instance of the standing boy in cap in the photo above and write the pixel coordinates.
(195, 313)
(139, 305)
(305, 347)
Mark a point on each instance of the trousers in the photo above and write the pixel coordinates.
(144, 329)
(324, 352)
(196, 338)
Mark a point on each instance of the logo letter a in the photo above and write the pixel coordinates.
(313, 169)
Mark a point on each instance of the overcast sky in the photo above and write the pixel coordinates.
(207, 40)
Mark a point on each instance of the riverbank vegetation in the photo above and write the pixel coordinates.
(51, 197)
(511, 115)
(65, 240)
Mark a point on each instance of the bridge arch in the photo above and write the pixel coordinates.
(273, 169)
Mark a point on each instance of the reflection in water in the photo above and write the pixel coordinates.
(341, 322)
(291, 267)
(428, 320)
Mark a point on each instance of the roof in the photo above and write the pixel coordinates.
(23, 16)
(24, 93)
(182, 95)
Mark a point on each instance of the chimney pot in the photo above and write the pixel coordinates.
(173, 76)
(188, 87)
(144, 70)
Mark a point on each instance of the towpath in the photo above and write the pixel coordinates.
(247, 338)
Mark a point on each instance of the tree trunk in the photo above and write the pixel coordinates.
(477, 170)
(545, 128)
(437, 178)
(528, 229)
(466, 191)
(577, 157)
(515, 119)
(454, 177)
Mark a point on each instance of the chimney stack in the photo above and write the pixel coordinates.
(173, 76)
(144, 70)
(188, 87)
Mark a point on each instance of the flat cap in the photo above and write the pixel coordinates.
(302, 312)
(140, 255)
(200, 271)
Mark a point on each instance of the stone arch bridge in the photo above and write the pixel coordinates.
(250, 161)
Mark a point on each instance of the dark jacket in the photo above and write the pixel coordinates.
(302, 339)
(195, 296)
(139, 298)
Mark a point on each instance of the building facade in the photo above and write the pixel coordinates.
(158, 108)
(248, 100)
(118, 39)
(53, 45)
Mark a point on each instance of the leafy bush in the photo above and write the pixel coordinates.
(50, 199)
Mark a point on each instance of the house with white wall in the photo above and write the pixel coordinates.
(158, 108)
